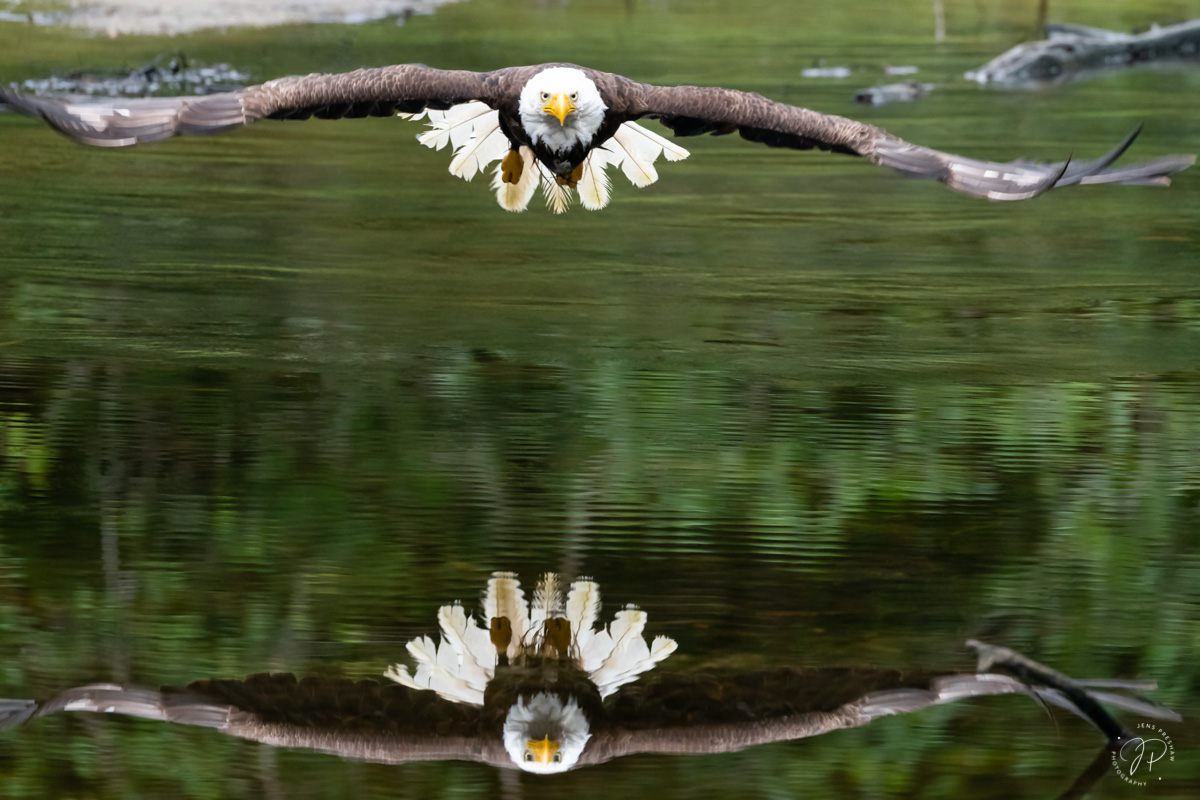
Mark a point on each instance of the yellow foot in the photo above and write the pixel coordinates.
(510, 172)
(572, 181)
(558, 634)
(501, 637)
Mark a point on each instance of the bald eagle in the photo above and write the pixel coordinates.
(544, 691)
(561, 126)
(545, 659)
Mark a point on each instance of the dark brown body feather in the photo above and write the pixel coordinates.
(686, 110)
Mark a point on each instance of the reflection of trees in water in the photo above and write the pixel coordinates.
(236, 518)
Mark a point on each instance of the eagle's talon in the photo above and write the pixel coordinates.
(558, 634)
(511, 168)
(572, 180)
(501, 633)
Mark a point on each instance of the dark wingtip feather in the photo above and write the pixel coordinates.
(15, 712)
(118, 122)
(1020, 180)
(1157, 172)
(1065, 692)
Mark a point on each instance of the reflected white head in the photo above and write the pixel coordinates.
(545, 735)
(561, 107)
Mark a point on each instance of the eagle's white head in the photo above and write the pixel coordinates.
(561, 107)
(545, 735)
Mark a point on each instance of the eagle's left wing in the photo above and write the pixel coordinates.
(694, 110)
(373, 92)
(697, 713)
(361, 720)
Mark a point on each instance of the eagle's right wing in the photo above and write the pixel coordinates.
(695, 110)
(360, 720)
(375, 92)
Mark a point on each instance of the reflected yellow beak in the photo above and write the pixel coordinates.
(544, 750)
(559, 106)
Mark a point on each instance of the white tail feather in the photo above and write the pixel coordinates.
(475, 657)
(595, 187)
(455, 126)
(635, 149)
(423, 650)
(598, 648)
(669, 149)
(436, 671)
(516, 196)
(626, 631)
(558, 197)
(504, 598)
(638, 160)
(547, 601)
(662, 647)
(486, 146)
(399, 673)
(620, 655)
(583, 607)
(446, 680)
(455, 689)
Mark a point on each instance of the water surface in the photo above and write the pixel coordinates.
(267, 400)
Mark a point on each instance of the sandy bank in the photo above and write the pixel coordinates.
(169, 17)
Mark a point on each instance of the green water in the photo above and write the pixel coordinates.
(267, 400)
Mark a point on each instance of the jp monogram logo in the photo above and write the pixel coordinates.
(1136, 757)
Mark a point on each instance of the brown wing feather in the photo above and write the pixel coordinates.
(736, 728)
(377, 92)
(382, 91)
(706, 714)
(695, 110)
(691, 111)
(353, 719)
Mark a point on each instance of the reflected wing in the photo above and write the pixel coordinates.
(716, 714)
(353, 719)
(692, 110)
(378, 92)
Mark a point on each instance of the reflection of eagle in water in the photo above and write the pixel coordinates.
(539, 690)
(545, 662)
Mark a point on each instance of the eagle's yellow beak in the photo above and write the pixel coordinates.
(560, 105)
(544, 750)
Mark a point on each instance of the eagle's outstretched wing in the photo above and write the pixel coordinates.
(377, 92)
(697, 713)
(686, 110)
(361, 720)
(694, 110)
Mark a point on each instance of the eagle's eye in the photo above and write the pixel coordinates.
(545, 96)
(529, 756)
(557, 757)
(574, 96)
